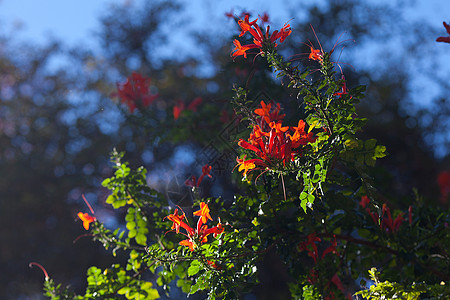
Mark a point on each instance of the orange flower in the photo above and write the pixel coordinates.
(188, 243)
(274, 144)
(260, 40)
(241, 50)
(178, 222)
(245, 165)
(246, 25)
(316, 54)
(268, 113)
(201, 233)
(87, 219)
(203, 213)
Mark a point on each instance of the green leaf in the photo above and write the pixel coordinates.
(132, 233)
(369, 160)
(141, 239)
(194, 268)
(380, 151)
(306, 200)
(131, 225)
(370, 144)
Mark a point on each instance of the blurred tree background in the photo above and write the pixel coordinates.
(60, 117)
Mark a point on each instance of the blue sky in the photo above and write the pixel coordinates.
(75, 21)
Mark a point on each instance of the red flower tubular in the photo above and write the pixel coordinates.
(87, 219)
(199, 235)
(276, 147)
(260, 40)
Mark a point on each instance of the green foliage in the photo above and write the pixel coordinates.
(345, 231)
(394, 290)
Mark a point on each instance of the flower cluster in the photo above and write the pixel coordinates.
(260, 40)
(274, 145)
(386, 223)
(199, 235)
(135, 91)
(310, 246)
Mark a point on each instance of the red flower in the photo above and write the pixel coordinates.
(344, 89)
(214, 265)
(331, 248)
(192, 181)
(273, 143)
(264, 18)
(201, 233)
(241, 50)
(316, 54)
(364, 201)
(195, 103)
(188, 243)
(180, 107)
(229, 14)
(206, 169)
(87, 219)
(178, 222)
(443, 181)
(445, 39)
(177, 109)
(335, 279)
(203, 213)
(135, 92)
(268, 113)
(310, 246)
(260, 40)
(387, 223)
